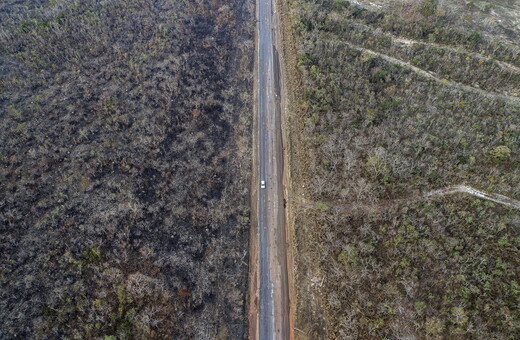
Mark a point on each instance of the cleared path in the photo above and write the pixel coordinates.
(273, 291)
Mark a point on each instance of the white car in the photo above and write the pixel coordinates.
(262, 184)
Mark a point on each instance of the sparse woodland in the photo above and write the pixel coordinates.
(125, 161)
(388, 106)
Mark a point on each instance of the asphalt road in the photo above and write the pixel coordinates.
(274, 303)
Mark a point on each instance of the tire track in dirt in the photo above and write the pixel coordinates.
(449, 190)
(429, 75)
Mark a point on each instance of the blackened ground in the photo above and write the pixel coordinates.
(124, 168)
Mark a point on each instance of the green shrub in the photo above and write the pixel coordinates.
(475, 38)
(459, 316)
(377, 166)
(428, 8)
(322, 206)
(349, 256)
(341, 4)
(420, 305)
(433, 326)
(500, 153)
(92, 255)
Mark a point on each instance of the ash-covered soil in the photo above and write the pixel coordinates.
(124, 168)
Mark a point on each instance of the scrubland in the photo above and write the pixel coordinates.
(388, 102)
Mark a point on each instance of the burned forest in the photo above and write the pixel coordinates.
(125, 161)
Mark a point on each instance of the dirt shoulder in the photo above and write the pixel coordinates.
(254, 284)
(289, 79)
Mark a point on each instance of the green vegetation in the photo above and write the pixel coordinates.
(432, 270)
(428, 8)
(385, 107)
(500, 153)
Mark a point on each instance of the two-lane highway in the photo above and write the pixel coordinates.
(273, 299)
(266, 322)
